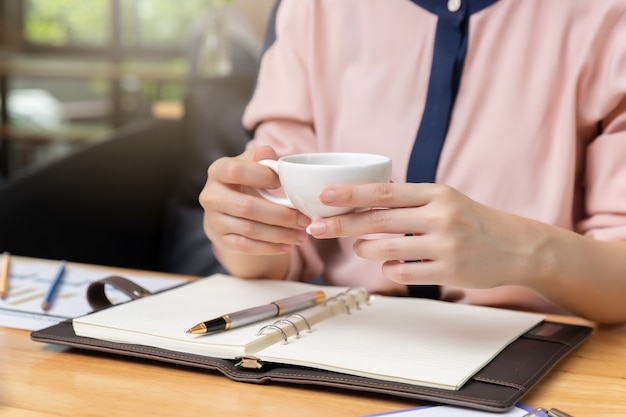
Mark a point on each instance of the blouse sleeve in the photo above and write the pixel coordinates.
(280, 112)
(605, 170)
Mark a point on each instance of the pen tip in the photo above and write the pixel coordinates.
(197, 329)
(45, 306)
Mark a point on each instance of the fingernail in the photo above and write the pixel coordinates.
(316, 228)
(328, 196)
(303, 221)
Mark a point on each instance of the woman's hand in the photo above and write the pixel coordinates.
(465, 244)
(238, 221)
(459, 241)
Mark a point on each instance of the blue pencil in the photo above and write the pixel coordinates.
(47, 302)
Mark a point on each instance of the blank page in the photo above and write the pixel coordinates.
(431, 343)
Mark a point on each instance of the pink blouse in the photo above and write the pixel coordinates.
(538, 127)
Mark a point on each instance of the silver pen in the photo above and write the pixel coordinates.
(254, 314)
(553, 412)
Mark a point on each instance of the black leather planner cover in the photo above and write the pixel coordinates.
(496, 387)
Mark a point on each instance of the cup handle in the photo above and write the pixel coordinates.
(283, 201)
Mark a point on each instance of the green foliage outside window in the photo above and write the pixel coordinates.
(65, 22)
(147, 23)
(161, 23)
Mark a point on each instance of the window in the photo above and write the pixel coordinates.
(67, 23)
(79, 69)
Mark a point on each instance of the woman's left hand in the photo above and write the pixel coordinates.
(459, 241)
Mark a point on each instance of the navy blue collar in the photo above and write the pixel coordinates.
(440, 7)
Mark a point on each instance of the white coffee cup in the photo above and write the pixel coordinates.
(304, 176)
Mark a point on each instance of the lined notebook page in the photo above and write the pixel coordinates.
(162, 320)
(408, 340)
(411, 340)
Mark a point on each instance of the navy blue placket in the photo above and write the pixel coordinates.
(451, 39)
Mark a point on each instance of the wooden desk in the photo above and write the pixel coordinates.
(39, 380)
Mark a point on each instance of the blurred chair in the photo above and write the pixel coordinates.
(104, 204)
(212, 129)
(132, 200)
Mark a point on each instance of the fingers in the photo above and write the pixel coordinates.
(255, 218)
(413, 273)
(398, 208)
(237, 219)
(397, 248)
(242, 170)
(252, 237)
(230, 215)
(265, 152)
(400, 221)
(390, 195)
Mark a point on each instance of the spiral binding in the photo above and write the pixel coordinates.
(351, 298)
(275, 326)
(348, 298)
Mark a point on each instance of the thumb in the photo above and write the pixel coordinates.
(265, 152)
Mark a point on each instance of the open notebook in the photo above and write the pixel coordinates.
(406, 340)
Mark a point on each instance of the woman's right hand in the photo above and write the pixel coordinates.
(237, 220)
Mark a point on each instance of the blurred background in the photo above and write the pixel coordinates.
(72, 72)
